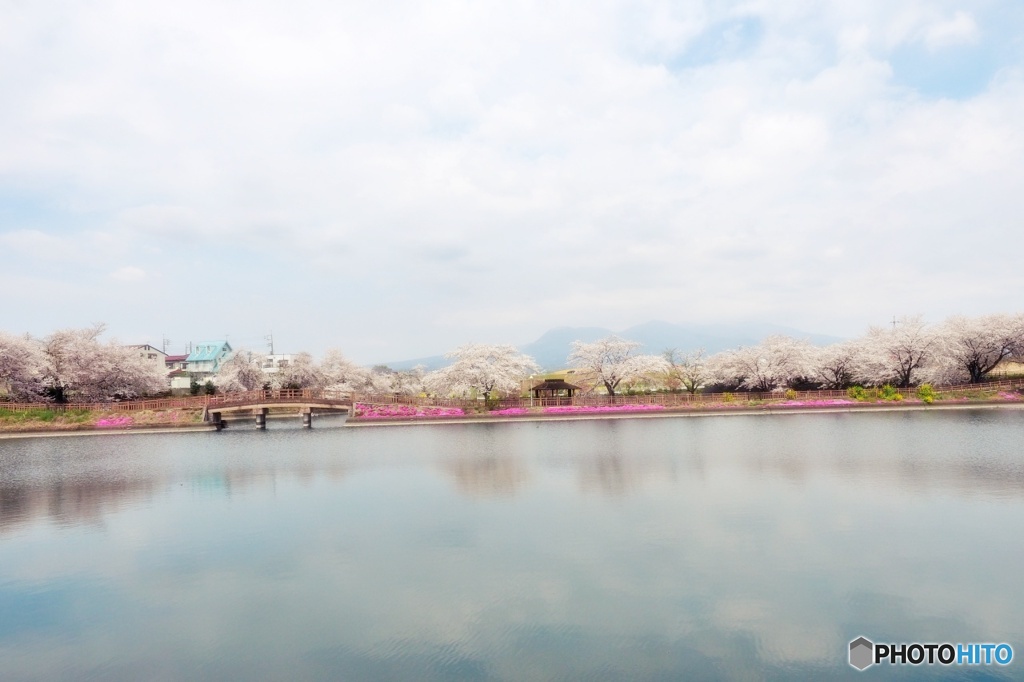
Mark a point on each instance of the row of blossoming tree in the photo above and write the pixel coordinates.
(243, 371)
(74, 365)
(959, 350)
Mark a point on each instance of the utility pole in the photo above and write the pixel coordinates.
(894, 321)
(269, 338)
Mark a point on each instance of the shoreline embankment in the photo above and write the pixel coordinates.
(63, 433)
(762, 410)
(759, 410)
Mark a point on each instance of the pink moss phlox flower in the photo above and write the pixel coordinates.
(817, 403)
(592, 409)
(114, 422)
(404, 411)
(510, 411)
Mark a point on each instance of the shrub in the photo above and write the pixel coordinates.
(790, 394)
(728, 397)
(887, 392)
(926, 393)
(857, 393)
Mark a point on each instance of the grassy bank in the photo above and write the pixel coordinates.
(43, 419)
(879, 398)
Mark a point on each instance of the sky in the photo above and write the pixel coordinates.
(397, 178)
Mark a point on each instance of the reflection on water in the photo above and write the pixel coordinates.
(712, 548)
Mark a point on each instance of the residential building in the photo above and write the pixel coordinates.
(275, 363)
(175, 362)
(206, 357)
(149, 352)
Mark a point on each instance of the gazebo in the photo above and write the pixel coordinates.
(554, 392)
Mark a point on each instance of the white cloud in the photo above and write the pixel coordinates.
(128, 273)
(960, 29)
(37, 245)
(517, 165)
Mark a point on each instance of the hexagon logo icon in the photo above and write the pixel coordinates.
(862, 653)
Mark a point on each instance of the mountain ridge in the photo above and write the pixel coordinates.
(552, 348)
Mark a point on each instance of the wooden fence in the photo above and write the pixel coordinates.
(663, 399)
(285, 396)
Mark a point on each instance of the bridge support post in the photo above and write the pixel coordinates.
(261, 419)
(307, 419)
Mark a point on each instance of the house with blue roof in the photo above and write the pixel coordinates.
(206, 358)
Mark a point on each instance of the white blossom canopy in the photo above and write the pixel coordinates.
(485, 368)
(775, 363)
(243, 371)
(611, 361)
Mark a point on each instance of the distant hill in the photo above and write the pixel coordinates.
(552, 348)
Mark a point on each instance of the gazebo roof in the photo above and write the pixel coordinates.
(555, 385)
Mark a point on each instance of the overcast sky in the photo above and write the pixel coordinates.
(396, 178)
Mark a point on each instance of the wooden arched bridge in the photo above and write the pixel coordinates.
(260, 402)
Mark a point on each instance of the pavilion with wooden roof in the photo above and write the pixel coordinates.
(554, 388)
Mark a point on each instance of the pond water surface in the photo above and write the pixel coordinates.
(718, 548)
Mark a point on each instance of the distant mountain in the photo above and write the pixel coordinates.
(429, 363)
(552, 348)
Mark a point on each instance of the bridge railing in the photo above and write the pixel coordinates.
(280, 395)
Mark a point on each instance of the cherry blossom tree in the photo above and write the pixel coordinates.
(77, 366)
(485, 368)
(129, 376)
(969, 348)
(380, 379)
(21, 367)
(897, 355)
(612, 361)
(70, 358)
(834, 366)
(341, 374)
(383, 379)
(776, 362)
(686, 370)
(243, 371)
(409, 381)
(300, 372)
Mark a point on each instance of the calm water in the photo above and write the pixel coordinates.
(734, 548)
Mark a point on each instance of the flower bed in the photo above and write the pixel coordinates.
(510, 412)
(573, 409)
(600, 409)
(405, 411)
(118, 422)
